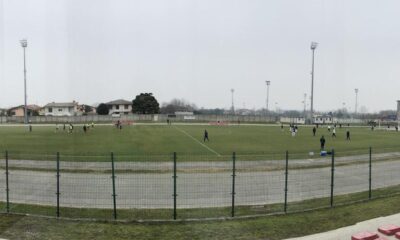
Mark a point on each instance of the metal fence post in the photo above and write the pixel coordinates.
(174, 177)
(370, 173)
(7, 186)
(58, 185)
(332, 175)
(233, 183)
(286, 180)
(113, 186)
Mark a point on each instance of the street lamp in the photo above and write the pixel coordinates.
(356, 91)
(24, 45)
(267, 100)
(233, 106)
(313, 47)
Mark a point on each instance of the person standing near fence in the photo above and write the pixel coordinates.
(314, 130)
(322, 141)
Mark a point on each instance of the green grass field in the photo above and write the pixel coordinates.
(249, 142)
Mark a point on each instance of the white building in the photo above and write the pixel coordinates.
(119, 107)
(293, 120)
(324, 119)
(62, 109)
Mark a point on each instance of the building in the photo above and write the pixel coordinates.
(119, 107)
(293, 120)
(3, 112)
(19, 111)
(62, 109)
(324, 119)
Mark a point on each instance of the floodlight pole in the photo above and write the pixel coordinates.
(233, 106)
(313, 47)
(356, 91)
(305, 104)
(267, 100)
(24, 45)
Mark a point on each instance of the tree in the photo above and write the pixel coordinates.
(177, 105)
(145, 103)
(102, 109)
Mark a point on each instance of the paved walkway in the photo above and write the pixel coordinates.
(256, 165)
(346, 232)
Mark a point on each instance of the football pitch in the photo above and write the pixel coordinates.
(248, 141)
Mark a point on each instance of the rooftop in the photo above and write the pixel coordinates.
(67, 104)
(119, 102)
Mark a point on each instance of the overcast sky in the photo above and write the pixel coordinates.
(101, 50)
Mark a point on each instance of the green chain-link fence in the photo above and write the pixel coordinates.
(182, 186)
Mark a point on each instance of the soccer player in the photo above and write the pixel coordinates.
(206, 136)
(334, 132)
(348, 135)
(322, 141)
(314, 130)
(30, 128)
(84, 128)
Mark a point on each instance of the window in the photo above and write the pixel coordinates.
(126, 106)
(50, 109)
(117, 107)
(60, 109)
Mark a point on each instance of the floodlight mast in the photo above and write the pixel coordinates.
(313, 47)
(356, 91)
(24, 45)
(233, 106)
(268, 83)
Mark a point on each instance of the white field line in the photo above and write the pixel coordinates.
(202, 144)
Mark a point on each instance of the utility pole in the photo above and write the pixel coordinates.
(356, 91)
(267, 100)
(233, 105)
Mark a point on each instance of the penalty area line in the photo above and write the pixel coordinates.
(202, 144)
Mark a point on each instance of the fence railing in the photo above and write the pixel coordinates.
(142, 118)
(178, 188)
